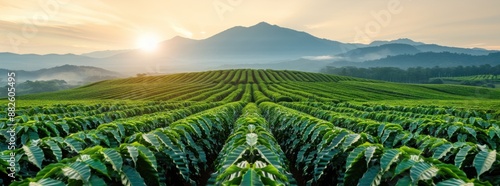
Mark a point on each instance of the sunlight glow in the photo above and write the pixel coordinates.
(148, 42)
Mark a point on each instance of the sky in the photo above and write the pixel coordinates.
(71, 26)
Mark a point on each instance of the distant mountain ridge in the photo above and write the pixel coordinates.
(380, 51)
(70, 73)
(426, 59)
(257, 44)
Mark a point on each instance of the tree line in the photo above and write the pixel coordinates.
(413, 74)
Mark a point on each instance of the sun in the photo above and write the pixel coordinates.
(148, 42)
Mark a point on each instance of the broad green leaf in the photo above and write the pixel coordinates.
(50, 170)
(454, 182)
(452, 129)
(96, 181)
(73, 144)
(47, 182)
(471, 131)
(251, 139)
(56, 150)
(372, 177)
(355, 166)
(77, 171)
(272, 170)
(35, 155)
(114, 158)
(349, 140)
(152, 140)
(97, 165)
(442, 150)
(147, 166)
(369, 154)
(230, 170)
(483, 161)
(133, 152)
(251, 128)
(388, 158)
(147, 156)
(251, 178)
(422, 171)
(405, 181)
(461, 155)
(130, 177)
(354, 156)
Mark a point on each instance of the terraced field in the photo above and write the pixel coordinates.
(255, 127)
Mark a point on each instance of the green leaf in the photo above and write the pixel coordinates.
(452, 129)
(442, 150)
(113, 157)
(274, 171)
(230, 170)
(56, 150)
(251, 139)
(47, 182)
(354, 156)
(422, 171)
(35, 155)
(483, 161)
(369, 154)
(147, 156)
(405, 181)
(73, 144)
(471, 131)
(388, 158)
(77, 171)
(403, 166)
(147, 166)
(50, 170)
(96, 181)
(251, 178)
(461, 155)
(454, 182)
(372, 177)
(97, 165)
(133, 152)
(130, 177)
(350, 139)
(152, 140)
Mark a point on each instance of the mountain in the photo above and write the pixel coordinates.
(377, 52)
(426, 59)
(397, 41)
(32, 62)
(70, 73)
(257, 44)
(439, 48)
(267, 40)
(104, 54)
(263, 42)
(424, 47)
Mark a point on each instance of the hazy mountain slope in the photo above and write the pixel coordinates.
(70, 73)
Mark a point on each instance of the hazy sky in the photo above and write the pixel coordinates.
(70, 26)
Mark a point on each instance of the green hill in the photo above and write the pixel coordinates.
(289, 85)
(232, 85)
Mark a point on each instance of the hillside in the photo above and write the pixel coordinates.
(271, 85)
(72, 74)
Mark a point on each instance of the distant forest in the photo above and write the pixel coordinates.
(413, 74)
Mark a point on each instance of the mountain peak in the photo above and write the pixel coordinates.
(263, 23)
